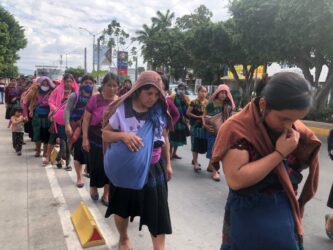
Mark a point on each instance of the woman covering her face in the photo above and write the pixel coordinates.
(264, 149)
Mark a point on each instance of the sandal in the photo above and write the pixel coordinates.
(198, 163)
(68, 168)
(176, 157)
(104, 202)
(196, 168)
(216, 177)
(79, 185)
(37, 154)
(328, 233)
(45, 162)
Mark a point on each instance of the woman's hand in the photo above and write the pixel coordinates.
(169, 172)
(86, 144)
(133, 142)
(287, 142)
(68, 130)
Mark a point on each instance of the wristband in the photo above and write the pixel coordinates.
(280, 153)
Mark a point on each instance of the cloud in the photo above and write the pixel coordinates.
(52, 26)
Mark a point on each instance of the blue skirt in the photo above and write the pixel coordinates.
(259, 221)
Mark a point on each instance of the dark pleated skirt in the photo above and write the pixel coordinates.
(178, 136)
(28, 128)
(41, 126)
(198, 140)
(330, 198)
(150, 203)
(259, 221)
(95, 161)
(79, 154)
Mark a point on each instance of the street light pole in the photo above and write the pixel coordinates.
(93, 35)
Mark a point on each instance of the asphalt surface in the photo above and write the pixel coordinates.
(36, 201)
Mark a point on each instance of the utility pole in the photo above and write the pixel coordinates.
(98, 48)
(136, 68)
(61, 61)
(85, 60)
(66, 60)
(93, 60)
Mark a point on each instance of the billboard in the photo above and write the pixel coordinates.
(122, 63)
(105, 55)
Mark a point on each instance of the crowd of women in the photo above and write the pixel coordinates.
(127, 137)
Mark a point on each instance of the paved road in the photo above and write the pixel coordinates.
(36, 202)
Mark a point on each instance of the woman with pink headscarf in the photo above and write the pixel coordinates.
(221, 103)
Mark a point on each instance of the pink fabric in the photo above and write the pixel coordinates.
(96, 106)
(156, 155)
(227, 89)
(57, 95)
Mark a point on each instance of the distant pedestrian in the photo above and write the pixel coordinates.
(195, 112)
(174, 113)
(92, 135)
(218, 110)
(127, 85)
(264, 149)
(181, 129)
(17, 123)
(11, 97)
(2, 90)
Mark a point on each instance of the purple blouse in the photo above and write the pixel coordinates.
(96, 106)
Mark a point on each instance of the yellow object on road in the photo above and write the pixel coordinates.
(86, 227)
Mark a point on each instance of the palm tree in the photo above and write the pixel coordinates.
(143, 37)
(163, 21)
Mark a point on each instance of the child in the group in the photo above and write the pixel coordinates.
(17, 123)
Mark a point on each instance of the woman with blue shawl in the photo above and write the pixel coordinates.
(144, 104)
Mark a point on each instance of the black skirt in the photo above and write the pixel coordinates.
(95, 161)
(78, 151)
(150, 203)
(330, 198)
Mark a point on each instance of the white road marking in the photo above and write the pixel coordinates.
(111, 240)
(71, 239)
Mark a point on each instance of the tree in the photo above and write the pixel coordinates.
(76, 72)
(297, 33)
(12, 39)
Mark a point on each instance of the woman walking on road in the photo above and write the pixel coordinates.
(181, 130)
(36, 105)
(264, 148)
(73, 119)
(58, 97)
(218, 110)
(92, 135)
(12, 97)
(198, 134)
(142, 108)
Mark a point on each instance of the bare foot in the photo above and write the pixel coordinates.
(125, 245)
(216, 176)
(329, 224)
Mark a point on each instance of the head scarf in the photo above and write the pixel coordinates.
(45, 78)
(224, 87)
(145, 78)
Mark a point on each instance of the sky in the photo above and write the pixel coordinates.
(52, 26)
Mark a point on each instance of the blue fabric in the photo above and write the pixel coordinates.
(127, 169)
(42, 110)
(259, 221)
(210, 144)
